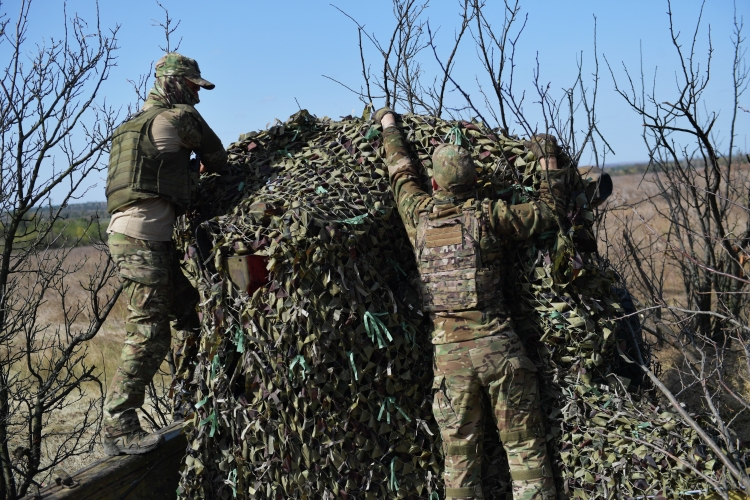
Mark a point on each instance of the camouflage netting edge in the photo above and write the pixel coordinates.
(317, 386)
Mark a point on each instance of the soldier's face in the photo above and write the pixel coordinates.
(193, 86)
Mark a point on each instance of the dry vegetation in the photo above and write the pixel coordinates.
(636, 211)
(103, 352)
(85, 260)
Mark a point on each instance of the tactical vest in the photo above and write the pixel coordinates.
(137, 170)
(458, 259)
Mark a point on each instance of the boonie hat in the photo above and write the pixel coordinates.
(174, 64)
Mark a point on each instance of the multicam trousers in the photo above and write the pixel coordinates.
(157, 292)
(498, 365)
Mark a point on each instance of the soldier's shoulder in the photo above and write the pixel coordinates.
(183, 116)
(184, 110)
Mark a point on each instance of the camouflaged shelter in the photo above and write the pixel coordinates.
(314, 371)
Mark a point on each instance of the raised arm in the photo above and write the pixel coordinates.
(198, 136)
(521, 222)
(410, 197)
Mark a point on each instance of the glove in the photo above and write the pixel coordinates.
(543, 145)
(553, 191)
(379, 114)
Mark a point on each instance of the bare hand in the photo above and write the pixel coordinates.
(388, 120)
(548, 163)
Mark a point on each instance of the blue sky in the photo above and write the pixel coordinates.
(264, 55)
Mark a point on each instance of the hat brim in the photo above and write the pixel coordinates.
(203, 83)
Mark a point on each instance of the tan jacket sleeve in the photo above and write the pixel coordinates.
(195, 133)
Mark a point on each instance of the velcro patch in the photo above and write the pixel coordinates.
(443, 236)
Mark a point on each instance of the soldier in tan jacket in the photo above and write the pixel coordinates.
(149, 183)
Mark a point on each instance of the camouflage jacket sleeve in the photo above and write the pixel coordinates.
(521, 222)
(198, 136)
(410, 198)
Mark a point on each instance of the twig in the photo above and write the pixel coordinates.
(720, 455)
(455, 84)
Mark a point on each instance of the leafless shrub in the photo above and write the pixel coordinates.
(53, 134)
(684, 248)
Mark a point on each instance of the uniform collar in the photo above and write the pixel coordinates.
(444, 198)
(154, 103)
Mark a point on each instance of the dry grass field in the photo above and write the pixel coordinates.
(103, 351)
(636, 208)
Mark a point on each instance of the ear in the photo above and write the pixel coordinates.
(435, 186)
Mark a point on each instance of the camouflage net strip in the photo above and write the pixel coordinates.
(318, 384)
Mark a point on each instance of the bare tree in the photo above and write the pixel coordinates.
(686, 243)
(53, 135)
(169, 29)
(401, 79)
(402, 83)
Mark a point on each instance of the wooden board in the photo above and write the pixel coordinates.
(154, 475)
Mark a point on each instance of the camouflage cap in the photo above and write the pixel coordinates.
(453, 167)
(174, 64)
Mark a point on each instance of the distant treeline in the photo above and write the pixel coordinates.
(85, 210)
(630, 168)
(79, 224)
(639, 168)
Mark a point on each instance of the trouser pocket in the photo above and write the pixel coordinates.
(442, 408)
(523, 390)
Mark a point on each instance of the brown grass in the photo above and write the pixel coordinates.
(103, 351)
(636, 208)
(83, 262)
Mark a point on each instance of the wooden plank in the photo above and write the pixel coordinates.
(153, 475)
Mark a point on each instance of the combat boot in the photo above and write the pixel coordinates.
(123, 435)
(134, 442)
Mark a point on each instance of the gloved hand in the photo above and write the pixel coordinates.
(543, 146)
(379, 114)
(553, 191)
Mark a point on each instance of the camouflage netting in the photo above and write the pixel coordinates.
(317, 385)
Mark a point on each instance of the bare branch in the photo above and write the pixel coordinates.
(168, 29)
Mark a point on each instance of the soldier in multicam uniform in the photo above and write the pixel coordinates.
(458, 243)
(149, 183)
